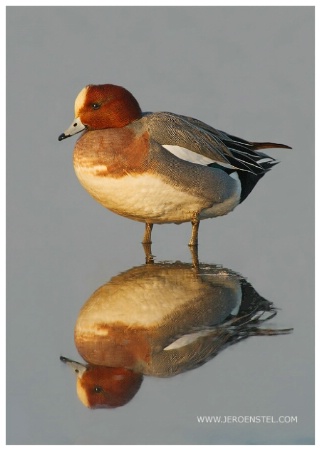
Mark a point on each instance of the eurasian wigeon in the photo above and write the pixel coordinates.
(160, 167)
(161, 320)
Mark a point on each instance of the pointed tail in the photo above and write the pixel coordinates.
(259, 145)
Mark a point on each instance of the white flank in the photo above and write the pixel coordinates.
(235, 310)
(235, 176)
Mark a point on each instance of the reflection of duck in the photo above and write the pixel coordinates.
(160, 320)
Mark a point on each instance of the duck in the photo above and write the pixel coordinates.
(161, 320)
(160, 167)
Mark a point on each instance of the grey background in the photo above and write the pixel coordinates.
(246, 70)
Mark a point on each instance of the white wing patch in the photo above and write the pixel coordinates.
(196, 158)
(187, 339)
(188, 155)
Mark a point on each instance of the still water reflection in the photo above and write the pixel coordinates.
(161, 320)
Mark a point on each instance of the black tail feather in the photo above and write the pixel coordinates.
(248, 180)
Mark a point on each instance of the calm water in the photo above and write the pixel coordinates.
(65, 251)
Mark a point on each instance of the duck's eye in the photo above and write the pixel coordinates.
(96, 105)
(98, 389)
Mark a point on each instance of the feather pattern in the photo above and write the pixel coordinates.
(172, 129)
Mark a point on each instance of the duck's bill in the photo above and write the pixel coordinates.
(74, 128)
(77, 367)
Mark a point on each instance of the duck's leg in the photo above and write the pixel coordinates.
(194, 233)
(147, 234)
(194, 257)
(149, 255)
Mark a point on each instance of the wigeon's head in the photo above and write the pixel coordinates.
(103, 106)
(104, 387)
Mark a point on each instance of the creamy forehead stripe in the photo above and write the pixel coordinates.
(80, 101)
(82, 394)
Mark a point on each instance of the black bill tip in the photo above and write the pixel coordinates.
(62, 136)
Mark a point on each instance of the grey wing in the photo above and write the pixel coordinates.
(172, 129)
